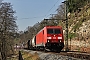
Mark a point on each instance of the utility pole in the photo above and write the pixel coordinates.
(66, 12)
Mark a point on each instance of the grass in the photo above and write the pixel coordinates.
(28, 56)
(25, 56)
(71, 35)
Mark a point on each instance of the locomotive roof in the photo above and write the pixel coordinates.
(53, 27)
(50, 27)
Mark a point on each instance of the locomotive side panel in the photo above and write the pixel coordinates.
(40, 38)
(45, 36)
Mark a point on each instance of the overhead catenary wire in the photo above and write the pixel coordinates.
(30, 18)
(51, 9)
(45, 16)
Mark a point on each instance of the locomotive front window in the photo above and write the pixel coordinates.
(50, 31)
(57, 31)
(53, 31)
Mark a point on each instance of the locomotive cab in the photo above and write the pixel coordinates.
(54, 39)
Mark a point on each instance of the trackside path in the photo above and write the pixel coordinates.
(54, 56)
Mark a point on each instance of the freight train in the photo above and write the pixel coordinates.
(50, 37)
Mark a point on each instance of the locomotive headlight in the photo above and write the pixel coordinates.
(48, 37)
(48, 41)
(60, 41)
(59, 37)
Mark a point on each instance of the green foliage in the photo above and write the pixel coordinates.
(73, 5)
(77, 26)
(71, 35)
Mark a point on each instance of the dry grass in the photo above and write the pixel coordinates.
(28, 56)
(25, 55)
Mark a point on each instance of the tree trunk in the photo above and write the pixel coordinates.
(3, 52)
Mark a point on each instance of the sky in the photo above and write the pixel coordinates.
(30, 12)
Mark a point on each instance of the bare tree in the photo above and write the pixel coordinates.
(7, 27)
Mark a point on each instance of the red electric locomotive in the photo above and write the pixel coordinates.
(50, 37)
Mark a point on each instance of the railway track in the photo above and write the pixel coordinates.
(73, 55)
(80, 55)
